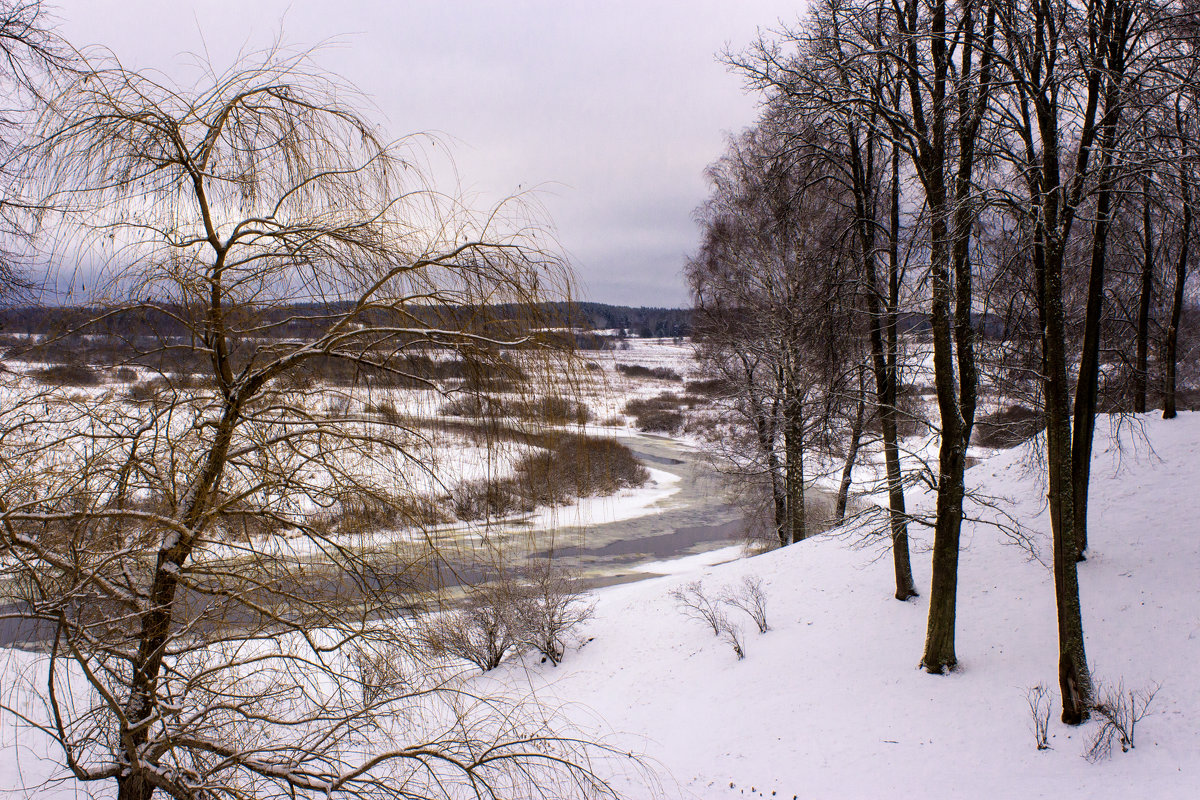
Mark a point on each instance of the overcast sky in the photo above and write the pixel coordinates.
(610, 109)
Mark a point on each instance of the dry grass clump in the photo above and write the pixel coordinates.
(640, 371)
(1008, 427)
(560, 469)
(660, 414)
(551, 409)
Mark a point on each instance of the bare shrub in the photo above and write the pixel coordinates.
(1009, 427)
(472, 405)
(733, 635)
(563, 467)
(550, 409)
(483, 631)
(659, 414)
(1041, 702)
(578, 466)
(125, 375)
(708, 387)
(693, 602)
(364, 512)
(68, 375)
(551, 607)
(488, 498)
(640, 371)
(751, 598)
(378, 669)
(1120, 711)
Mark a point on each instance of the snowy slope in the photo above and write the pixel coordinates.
(830, 702)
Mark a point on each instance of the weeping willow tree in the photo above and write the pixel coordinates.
(216, 626)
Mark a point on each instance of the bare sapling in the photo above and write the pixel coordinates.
(1041, 702)
(750, 598)
(1119, 711)
(731, 633)
(693, 602)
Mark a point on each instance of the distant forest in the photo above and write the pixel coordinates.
(627, 320)
(158, 336)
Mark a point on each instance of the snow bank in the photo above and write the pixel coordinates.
(830, 703)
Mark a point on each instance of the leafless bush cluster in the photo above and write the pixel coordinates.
(379, 669)
(68, 375)
(551, 608)
(550, 409)
(659, 414)
(749, 597)
(1120, 711)
(534, 608)
(560, 468)
(1041, 701)
(483, 631)
(640, 371)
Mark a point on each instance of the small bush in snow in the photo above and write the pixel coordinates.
(693, 602)
(550, 607)
(483, 632)
(1041, 701)
(1120, 711)
(733, 635)
(377, 668)
(751, 598)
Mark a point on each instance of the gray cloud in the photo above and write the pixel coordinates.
(608, 110)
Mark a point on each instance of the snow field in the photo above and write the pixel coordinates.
(830, 703)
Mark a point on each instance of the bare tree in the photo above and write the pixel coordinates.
(201, 561)
(31, 54)
(818, 85)
(774, 314)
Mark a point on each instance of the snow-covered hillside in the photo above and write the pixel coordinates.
(830, 702)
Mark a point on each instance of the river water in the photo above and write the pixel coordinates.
(692, 519)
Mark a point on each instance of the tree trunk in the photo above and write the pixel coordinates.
(1087, 384)
(1171, 355)
(1146, 295)
(889, 389)
(134, 787)
(793, 447)
(1074, 678)
(856, 430)
(884, 339)
(939, 653)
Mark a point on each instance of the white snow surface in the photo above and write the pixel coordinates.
(830, 703)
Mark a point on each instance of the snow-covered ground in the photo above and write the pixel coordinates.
(830, 702)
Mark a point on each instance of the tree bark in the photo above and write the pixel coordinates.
(793, 455)
(1171, 355)
(856, 431)
(1145, 297)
